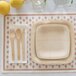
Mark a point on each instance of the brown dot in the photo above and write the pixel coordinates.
(23, 20)
(33, 66)
(72, 61)
(64, 17)
(7, 27)
(39, 17)
(20, 17)
(30, 63)
(26, 66)
(30, 55)
(14, 22)
(7, 37)
(36, 64)
(74, 19)
(13, 66)
(7, 62)
(20, 66)
(26, 17)
(17, 20)
(7, 17)
(39, 66)
(10, 64)
(71, 65)
(27, 60)
(29, 39)
(46, 66)
(27, 42)
(30, 24)
(7, 66)
(7, 22)
(7, 57)
(51, 17)
(30, 59)
(8, 42)
(7, 32)
(33, 62)
(11, 20)
(52, 66)
(7, 52)
(7, 46)
(32, 17)
(59, 66)
(30, 48)
(17, 64)
(29, 34)
(29, 29)
(20, 22)
(13, 17)
(58, 17)
(70, 17)
(74, 24)
(30, 20)
(27, 22)
(65, 66)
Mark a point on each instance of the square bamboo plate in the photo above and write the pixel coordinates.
(52, 42)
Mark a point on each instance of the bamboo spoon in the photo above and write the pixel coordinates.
(12, 37)
(18, 36)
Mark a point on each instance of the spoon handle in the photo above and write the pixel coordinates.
(23, 45)
(12, 46)
(18, 48)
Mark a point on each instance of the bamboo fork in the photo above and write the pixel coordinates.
(12, 37)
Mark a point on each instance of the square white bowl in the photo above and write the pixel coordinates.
(52, 42)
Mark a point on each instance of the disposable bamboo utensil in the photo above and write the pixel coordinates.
(12, 38)
(19, 37)
(23, 45)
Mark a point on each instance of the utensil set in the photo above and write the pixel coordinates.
(19, 36)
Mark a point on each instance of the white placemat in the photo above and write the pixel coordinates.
(27, 20)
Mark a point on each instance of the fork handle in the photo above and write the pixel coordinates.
(12, 46)
(18, 48)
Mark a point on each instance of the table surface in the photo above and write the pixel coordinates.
(27, 8)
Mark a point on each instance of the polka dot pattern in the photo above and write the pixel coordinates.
(29, 21)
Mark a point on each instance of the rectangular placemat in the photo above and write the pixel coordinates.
(26, 21)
